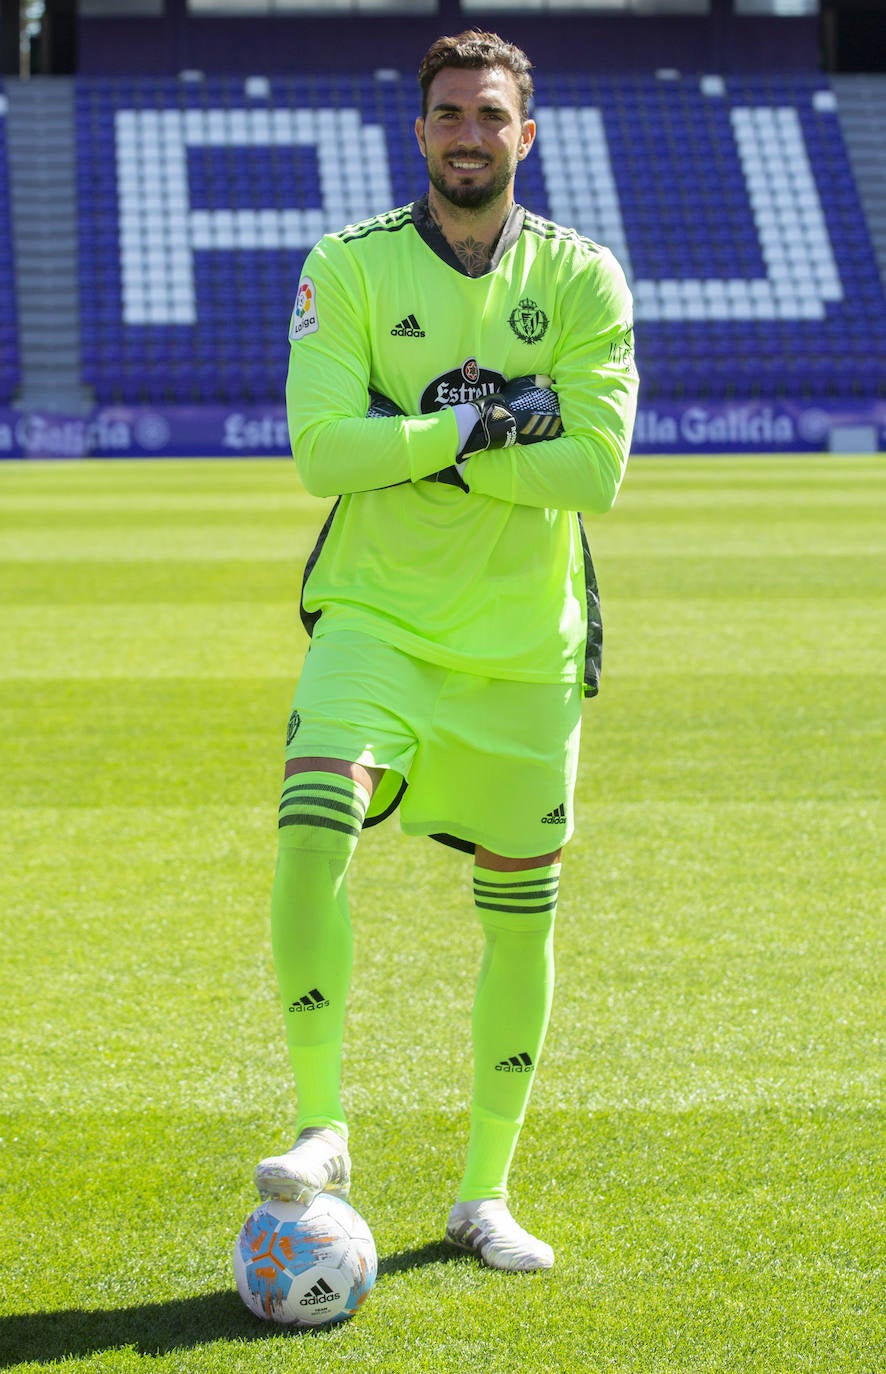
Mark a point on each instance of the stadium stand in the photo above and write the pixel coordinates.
(752, 268)
(730, 201)
(862, 104)
(9, 352)
(197, 208)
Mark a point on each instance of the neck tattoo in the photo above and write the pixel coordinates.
(473, 255)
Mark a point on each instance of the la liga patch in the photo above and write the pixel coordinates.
(304, 312)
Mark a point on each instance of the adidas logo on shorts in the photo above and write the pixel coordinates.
(555, 817)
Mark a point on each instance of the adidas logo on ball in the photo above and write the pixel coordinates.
(321, 1292)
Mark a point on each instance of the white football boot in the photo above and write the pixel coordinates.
(488, 1230)
(317, 1163)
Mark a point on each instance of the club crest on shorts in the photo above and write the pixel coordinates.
(292, 727)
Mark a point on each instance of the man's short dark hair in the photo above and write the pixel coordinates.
(475, 49)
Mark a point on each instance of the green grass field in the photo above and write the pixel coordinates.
(704, 1148)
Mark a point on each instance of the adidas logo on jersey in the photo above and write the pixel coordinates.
(321, 1292)
(312, 1001)
(408, 329)
(518, 1063)
(555, 817)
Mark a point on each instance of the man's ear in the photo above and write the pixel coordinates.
(420, 135)
(527, 138)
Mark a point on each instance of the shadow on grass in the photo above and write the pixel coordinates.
(435, 1252)
(158, 1328)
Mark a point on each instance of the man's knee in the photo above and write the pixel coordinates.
(368, 778)
(322, 810)
(521, 901)
(501, 863)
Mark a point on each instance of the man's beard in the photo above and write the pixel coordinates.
(466, 197)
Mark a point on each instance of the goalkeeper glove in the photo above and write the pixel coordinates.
(482, 425)
(490, 426)
(523, 411)
(381, 407)
(535, 407)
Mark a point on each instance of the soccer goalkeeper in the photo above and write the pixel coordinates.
(462, 382)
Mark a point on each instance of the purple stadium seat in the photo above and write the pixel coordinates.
(207, 292)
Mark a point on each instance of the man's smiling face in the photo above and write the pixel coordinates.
(473, 135)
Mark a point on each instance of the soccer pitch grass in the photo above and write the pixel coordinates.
(703, 1148)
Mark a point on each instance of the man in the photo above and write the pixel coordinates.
(450, 597)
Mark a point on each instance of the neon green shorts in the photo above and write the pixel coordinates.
(471, 760)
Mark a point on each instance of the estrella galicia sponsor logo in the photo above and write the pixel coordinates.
(151, 430)
(739, 424)
(408, 328)
(312, 1001)
(470, 382)
(262, 430)
(528, 321)
(516, 1063)
(814, 425)
(292, 727)
(304, 312)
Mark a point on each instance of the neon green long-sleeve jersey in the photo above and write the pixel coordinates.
(497, 581)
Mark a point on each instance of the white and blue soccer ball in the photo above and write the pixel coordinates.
(305, 1266)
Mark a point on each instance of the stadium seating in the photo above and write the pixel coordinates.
(9, 353)
(753, 271)
(731, 203)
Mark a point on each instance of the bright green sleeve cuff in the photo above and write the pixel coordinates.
(433, 443)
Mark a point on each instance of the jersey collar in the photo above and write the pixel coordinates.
(433, 237)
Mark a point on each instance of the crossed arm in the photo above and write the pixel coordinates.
(338, 452)
(524, 411)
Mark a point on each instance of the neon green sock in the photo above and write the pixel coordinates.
(320, 819)
(511, 1013)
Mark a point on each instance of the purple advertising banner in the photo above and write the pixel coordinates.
(146, 432)
(260, 431)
